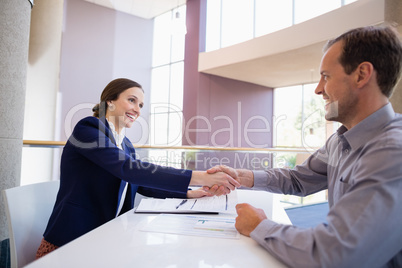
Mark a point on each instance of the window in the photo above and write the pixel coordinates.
(233, 21)
(299, 122)
(237, 21)
(166, 111)
(299, 117)
(304, 8)
(167, 78)
(272, 15)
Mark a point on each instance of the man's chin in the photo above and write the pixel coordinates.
(331, 116)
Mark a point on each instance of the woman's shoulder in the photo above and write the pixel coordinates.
(92, 121)
(88, 128)
(88, 120)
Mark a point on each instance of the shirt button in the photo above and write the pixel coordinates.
(346, 151)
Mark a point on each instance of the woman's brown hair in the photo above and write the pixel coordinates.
(112, 92)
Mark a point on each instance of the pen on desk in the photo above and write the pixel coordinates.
(194, 204)
(181, 203)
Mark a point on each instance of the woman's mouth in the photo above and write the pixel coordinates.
(131, 116)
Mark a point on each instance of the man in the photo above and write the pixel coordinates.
(360, 165)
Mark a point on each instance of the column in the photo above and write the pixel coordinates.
(15, 16)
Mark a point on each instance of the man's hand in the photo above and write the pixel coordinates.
(248, 218)
(244, 176)
(223, 181)
(228, 170)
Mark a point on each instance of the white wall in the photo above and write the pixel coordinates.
(42, 88)
(77, 48)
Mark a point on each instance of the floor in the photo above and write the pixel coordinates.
(303, 216)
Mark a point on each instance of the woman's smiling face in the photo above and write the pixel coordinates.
(126, 108)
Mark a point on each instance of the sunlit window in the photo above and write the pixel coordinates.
(167, 78)
(308, 9)
(299, 122)
(166, 113)
(272, 15)
(233, 21)
(299, 117)
(237, 21)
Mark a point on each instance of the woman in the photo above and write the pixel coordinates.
(99, 169)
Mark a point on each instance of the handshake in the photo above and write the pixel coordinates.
(219, 180)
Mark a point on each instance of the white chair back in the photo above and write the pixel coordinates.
(28, 209)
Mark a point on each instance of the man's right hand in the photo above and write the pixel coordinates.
(244, 176)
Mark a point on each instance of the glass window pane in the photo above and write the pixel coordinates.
(349, 1)
(158, 108)
(308, 9)
(161, 42)
(287, 113)
(175, 129)
(213, 28)
(178, 34)
(160, 84)
(159, 125)
(314, 123)
(272, 15)
(176, 86)
(237, 21)
(158, 157)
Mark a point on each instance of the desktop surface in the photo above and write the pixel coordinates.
(121, 243)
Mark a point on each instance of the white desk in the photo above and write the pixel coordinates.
(119, 243)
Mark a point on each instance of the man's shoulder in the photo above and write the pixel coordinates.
(391, 134)
(395, 124)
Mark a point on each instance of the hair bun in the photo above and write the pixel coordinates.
(95, 108)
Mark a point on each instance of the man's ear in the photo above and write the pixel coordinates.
(364, 73)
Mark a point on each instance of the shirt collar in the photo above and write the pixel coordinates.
(368, 127)
(117, 137)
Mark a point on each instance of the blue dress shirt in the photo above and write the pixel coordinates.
(362, 170)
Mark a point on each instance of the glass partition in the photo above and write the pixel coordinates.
(41, 161)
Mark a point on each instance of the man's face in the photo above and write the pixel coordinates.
(336, 87)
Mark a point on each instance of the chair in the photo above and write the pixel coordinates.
(28, 209)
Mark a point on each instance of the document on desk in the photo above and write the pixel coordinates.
(210, 226)
(212, 204)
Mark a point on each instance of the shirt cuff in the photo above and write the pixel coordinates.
(260, 179)
(262, 231)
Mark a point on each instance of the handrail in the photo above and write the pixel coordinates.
(42, 143)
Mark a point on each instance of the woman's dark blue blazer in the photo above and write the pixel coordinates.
(93, 173)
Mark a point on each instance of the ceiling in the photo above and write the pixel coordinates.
(146, 9)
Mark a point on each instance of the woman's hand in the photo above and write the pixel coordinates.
(215, 190)
(198, 193)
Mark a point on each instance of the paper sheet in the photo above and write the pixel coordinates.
(213, 204)
(193, 225)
